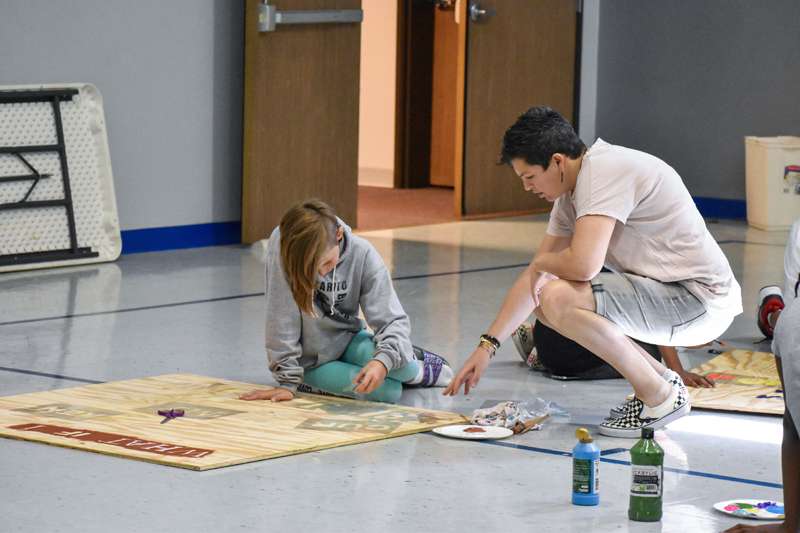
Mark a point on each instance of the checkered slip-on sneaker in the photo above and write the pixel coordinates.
(622, 409)
(630, 425)
(523, 341)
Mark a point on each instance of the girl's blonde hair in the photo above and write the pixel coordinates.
(308, 230)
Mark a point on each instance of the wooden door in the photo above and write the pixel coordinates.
(300, 116)
(521, 56)
(444, 103)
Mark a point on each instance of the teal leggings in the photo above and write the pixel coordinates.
(337, 377)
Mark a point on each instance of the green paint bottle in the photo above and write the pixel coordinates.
(647, 476)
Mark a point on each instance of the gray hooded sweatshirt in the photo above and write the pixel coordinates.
(296, 341)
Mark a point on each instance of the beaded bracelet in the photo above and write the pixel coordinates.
(490, 343)
(489, 347)
(493, 340)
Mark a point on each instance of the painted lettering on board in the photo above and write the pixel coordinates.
(336, 407)
(358, 426)
(67, 411)
(763, 381)
(113, 439)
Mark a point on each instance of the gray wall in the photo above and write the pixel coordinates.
(170, 73)
(687, 80)
(590, 36)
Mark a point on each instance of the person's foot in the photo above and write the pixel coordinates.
(640, 415)
(435, 371)
(670, 376)
(523, 342)
(770, 299)
(621, 409)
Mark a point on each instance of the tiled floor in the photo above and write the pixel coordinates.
(201, 311)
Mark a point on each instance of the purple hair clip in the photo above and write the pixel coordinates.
(170, 414)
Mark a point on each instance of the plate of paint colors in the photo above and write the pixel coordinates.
(473, 432)
(756, 509)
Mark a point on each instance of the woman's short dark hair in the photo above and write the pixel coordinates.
(537, 134)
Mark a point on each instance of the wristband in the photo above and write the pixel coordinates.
(488, 338)
(489, 347)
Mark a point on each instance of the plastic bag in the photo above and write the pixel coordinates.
(519, 417)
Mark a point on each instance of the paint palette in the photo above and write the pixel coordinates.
(756, 509)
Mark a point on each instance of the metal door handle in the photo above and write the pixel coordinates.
(269, 16)
(477, 13)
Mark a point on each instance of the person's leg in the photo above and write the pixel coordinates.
(569, 308)
(790, 465)
(426, 369)
(361, 350)
(657, 365)
(790, 469)
(337, 378)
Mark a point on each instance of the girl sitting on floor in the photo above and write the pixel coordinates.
(318, 276)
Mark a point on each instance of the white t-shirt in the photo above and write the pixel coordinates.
(791, 265)
(659, 233)
(786, 345)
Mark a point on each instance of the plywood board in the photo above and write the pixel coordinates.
(120, 418)
(745, 381)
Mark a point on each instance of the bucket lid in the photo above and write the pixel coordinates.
(784, 141)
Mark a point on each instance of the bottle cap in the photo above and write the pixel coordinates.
(648, 433)
(583, 435)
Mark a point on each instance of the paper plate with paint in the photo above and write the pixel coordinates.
(472, 432)
(756, 509)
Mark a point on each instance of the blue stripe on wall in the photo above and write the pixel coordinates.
(176, 237)
(721, 207)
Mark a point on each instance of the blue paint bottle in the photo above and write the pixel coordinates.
(585, 470)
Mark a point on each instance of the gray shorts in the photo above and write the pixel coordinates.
(647, 310)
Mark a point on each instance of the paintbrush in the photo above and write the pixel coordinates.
(524, 427)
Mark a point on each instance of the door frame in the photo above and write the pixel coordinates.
(414, 70)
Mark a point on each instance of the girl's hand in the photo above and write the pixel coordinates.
(695, 380)
(470, 373)
(370, 378)
(276, 395)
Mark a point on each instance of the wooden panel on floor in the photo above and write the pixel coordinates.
(120, 418)
(745, 381)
